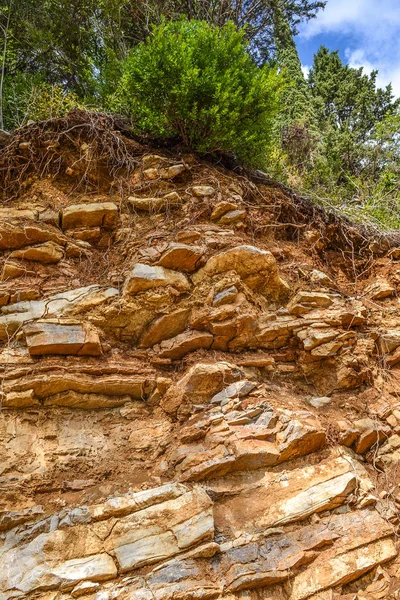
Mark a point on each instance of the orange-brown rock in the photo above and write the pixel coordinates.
(181, 257)
(199, 403)
(47, 337)
(101, 214)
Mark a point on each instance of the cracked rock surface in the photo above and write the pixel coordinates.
(196, 402)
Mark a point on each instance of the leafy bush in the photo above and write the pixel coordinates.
(198, 81)
(28, 97)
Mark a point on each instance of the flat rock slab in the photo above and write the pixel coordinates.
(165, 327)
(233, 216)
(186, 342)
(164, 172)
(12, 518)
(181, 257)
(143, 529)
(145, 277)
(13, 316)
(99, 214)
(305, 302)
(49, 252)
(154, 205)
(55, 338)
(380, 289)
(19, 233)
(342, 568)
(52, 385)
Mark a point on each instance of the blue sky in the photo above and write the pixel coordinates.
(366, 33)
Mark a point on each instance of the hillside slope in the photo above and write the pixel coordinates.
(200, 380)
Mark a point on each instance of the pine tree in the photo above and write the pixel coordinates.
(298, 122)
(349, 107)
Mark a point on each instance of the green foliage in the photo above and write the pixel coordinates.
(28, 97)
(297, 124)
(349, 108)
(198, 82)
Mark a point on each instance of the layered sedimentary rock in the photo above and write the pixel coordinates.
(194, 405)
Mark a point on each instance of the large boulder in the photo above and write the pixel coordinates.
(256, 267)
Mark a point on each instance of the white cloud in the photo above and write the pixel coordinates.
(306, 70)
(372, 30)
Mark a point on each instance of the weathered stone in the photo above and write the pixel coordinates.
(239, 389)
(367, 439)
(124, 505)
(72, 399)
(45, 337)
(181, 257)
(305, 302)
(18, 213)
(165, 327)
(16, 233)
(233, 216)
(45, 562)
(388, 341)
(380, 289)
(300, 437)
(49, 252)
(160, 172)
(154, 205)
(341, 569)
(144, 277)
(371, 432)
(99, 214)
(322, 496)
(314, 337)
(320, 402)
(88, 235)
(13, 316)
(98, 567)
(172, 172)
(186, 342)
(153, 160)
(221, 208)
(271, 561)
(202, 191)
(86, 587)
(11, 270)
(256, 267)
(320, 277)
(225, 296)
(179, 579)
(23, 399)
(347, 433)
(162, 531)
(12, 518)
(200, 384)
(47, 385)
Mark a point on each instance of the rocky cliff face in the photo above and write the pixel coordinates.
(199, 400)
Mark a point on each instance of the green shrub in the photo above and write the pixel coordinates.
(28, 97)
(197, 81)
